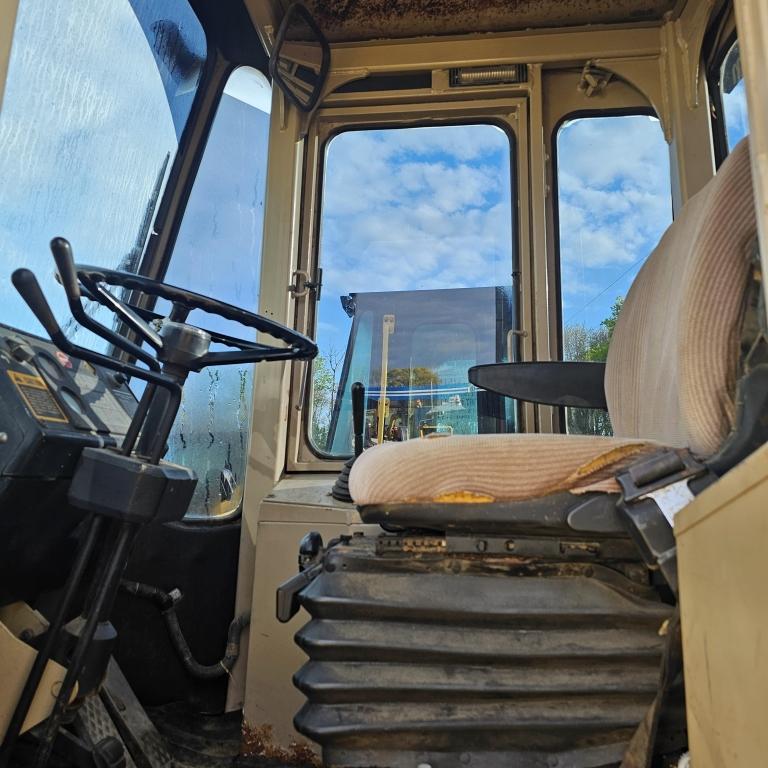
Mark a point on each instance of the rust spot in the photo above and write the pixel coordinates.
(258, 741)
(463, 497)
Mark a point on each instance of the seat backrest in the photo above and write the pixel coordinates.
(673, 360)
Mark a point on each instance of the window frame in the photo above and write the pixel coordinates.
(576, 115)
(510, 114)
(224, 53)
(717, 106)
(628, 111)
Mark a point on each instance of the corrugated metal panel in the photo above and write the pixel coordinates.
(476, 660)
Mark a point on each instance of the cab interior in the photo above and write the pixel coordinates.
(465, 466)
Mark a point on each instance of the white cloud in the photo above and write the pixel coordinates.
(613, 184)
(416, 209)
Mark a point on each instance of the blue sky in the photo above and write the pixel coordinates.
(614, 204)
(84, 132)
(413, 209)
(735, 108)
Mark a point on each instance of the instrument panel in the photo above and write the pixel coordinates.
(53, 405)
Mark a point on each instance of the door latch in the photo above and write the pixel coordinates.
(302, 285)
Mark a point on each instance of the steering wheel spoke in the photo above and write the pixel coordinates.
(124, 312)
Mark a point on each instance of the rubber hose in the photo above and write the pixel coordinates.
(162, 599)
(167, 605)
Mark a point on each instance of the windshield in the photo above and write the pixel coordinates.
(96, 99)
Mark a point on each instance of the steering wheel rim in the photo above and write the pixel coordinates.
(301, 346)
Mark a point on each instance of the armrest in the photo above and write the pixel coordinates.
(574, 384)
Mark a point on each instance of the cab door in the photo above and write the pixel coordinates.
(414, 266)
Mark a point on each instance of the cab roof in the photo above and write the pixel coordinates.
(360, 20)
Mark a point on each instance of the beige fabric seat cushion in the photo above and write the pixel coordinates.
(487, 468)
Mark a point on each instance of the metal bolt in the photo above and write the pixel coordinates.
(464, 758)
(3, 437)
(510, 546)
(482, 546)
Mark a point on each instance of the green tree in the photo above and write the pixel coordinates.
(597, 351)
(325, 373)
(411, 377)
(590, 345)
(322, 400)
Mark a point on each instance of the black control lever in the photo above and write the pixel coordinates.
(99, 471)
(62, 254)
(26, 284)
(358, 414)
(340, 490)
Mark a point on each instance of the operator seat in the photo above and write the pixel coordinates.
(519, 607)
(670, 382)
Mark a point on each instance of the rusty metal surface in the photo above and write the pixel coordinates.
(348, 20)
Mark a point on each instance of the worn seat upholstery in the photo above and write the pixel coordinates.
(670, 380)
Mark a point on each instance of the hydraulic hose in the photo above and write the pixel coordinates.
(166, 602)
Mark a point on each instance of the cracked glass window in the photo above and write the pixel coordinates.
(218, 253)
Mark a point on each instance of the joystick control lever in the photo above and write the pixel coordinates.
(65, 264)
(26, 284)
(358, 415)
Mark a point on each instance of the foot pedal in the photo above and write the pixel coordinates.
(145, 745)
(98, 729)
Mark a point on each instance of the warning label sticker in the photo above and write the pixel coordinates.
(38, 397)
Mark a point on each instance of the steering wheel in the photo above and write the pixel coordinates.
(95, 280)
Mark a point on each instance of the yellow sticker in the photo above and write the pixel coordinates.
(38, 397)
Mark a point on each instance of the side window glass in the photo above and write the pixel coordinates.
(218, 253)
(416, 248)
(614, 203)
(734, 97)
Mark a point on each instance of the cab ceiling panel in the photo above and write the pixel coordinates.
(353, 20)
